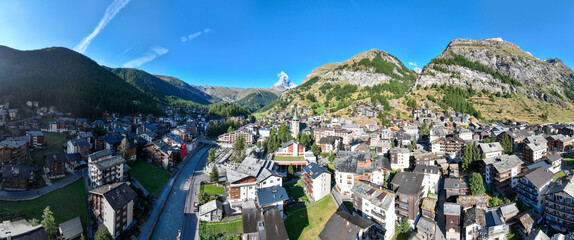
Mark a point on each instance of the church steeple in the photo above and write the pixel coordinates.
(295, 124)
(295, 117)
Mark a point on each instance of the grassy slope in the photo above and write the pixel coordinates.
(54, 143)
(152, 178)
(212, 189)
(65, 203)
(230, 227)
(308, 222)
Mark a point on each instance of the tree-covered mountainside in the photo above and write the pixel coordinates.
(227, 110)
(256, 100)
(176, 82)
(68, 80)
(159, 89)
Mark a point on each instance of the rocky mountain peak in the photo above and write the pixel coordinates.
(284, 83)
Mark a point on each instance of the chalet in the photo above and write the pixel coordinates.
(55, 165)
(251, 175)
(316, 181)
(427, 158)
(491, 150)
(428, 206)
(426, 228)
(211, 211)
(558, 142)
(484, 224)
(330, 144)
(17, 178)
(451, 145)
(272, 197)
(160, 153)
(263, 225)
(342, 225)
(81, 146)
(113, 204)
(558, 214)
(532, 152)
(71, 229)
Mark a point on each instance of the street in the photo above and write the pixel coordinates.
(190, 228)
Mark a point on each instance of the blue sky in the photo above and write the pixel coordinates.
(247, 43)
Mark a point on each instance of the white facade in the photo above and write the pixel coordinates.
(271, 181)
(400, 158)
(321, 186)
(386, 216)
(473, 232)
(344, 181)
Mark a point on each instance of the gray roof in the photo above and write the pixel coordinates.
(55, 158)
(456, 183)
(378, 197)
(110, 162)
(492, 218)
(566, 185)
(539, 177)
(233, 176)
(117, 194)
(22, 230)
(452, 208)
(210, 207)
(314, 170)
(329, 139)
(271, 195)
(408, 183)
(426, 225)
(509, 210)
(504, 163)
(268, 225)
(71, 228)
(343, 225)
(536, 138)
(537, 146)
(538, 235)
(100, 154)
(553, 157)
(427, 169)
(491, 147)
(474, 215)
(347, 162)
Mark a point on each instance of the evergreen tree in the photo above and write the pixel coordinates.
(103, 234)
(34, 222)
(290, 172)
(49, 223)
(239, 148)
(507, 144)
(214, 176)
(315, 149)
(211, 156)
(125, 148)
(476, 184)
(467, 157)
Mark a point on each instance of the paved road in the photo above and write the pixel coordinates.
(33, 194)
(149, 225)
(440, 218)
(190, 227)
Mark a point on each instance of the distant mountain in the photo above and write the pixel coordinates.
(159, 89)
(225, 94)
(284, 83)
(257, 100)
(68, 80)
(183, 85)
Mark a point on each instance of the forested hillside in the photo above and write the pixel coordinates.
(71, 81)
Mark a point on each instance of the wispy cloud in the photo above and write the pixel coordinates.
(124, 52)
(148, 57)
(195, 35)
(111, 12)
(414, 64)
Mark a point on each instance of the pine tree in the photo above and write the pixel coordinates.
(315, 149)
(125, 148)
(211, 156)
(507, 144)
(405, 226)
(49, 223)
(290, 172)
(214, 176)
(476, 184)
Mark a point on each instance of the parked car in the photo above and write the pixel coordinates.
(195, 206)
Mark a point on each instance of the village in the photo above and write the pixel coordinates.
(288, 175)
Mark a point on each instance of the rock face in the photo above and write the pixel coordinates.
(284, 83)
(542, 79)
(354, 72)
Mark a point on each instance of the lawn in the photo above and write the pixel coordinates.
(559, 175)
(296, 191)
(152, 178)
(53, 142)
(569, 159)
(308, 222)
(230, 227)
(65, 203)
(288, 158)
(212, 189)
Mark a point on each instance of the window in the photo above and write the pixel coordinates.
(404, 200)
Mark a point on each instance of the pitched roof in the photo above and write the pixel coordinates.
(426, 224)
(271, 195)
(456, 183)
(381, 198)
(408, 183)
(491, 147)
(274, 227)
(427, 169)
(566, 185)
(210, 207)
(342, 225)
(22, 230)
(474, 215)
(71, 228)
(538, 235)
(55, 158)
(493, 218)
(109, 162)
(539, 177)
(100, 154)
(452, 208)
(504, 163)
(116, 194)
(537, 146)
(314, 170)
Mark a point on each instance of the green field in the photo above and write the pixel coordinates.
(212, 189)
(559, 175)
(152, 178)
(288, 158)
(65, 203)
(53, 142)
(569, 159)
(230, 227)
(308, 222)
